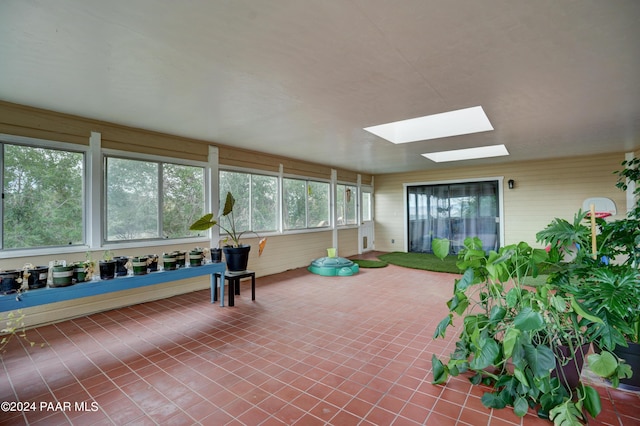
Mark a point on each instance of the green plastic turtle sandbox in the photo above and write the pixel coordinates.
(333, 266)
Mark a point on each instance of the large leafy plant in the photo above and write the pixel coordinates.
(511, 334)
(607, 280)
(231, 228)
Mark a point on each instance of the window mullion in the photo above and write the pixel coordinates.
(160, 200)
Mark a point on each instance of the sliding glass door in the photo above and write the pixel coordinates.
(454, 211)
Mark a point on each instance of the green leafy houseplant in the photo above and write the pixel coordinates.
(208, 221)
(519, 340)
(605, 286)
(236, 254)
(606, 279)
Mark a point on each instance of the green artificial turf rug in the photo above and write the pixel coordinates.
(425, 261)
(369, 263)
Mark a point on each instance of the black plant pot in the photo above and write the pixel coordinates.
(631, 355)
(569, 374)
(121, 266)
(216, 255)
(237, 257)
(8, 281)
(107, 269)
(153, 264)
(38, 277)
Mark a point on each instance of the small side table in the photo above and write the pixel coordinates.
(234, 284)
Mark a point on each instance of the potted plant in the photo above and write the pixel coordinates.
(83, 270)
(36, 276)
(107, 266)
(196, 256)
(139, 265)
(607, 281)
(526, 343)
(9, 281)
(236, 254)
(62, 274)
(152, 262)
(169, 261)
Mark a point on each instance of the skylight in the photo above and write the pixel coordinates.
(452, 123)
(467, 154)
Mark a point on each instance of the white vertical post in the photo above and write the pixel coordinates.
(212, 196)
(359, 212)
(280, 198)
(94, 217)
(333, 207)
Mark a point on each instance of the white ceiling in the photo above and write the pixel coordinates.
(301, 78)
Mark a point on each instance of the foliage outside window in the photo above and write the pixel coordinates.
(151, 200)
(305, 204)
(346, 204)
(43, 197)
(256, 196)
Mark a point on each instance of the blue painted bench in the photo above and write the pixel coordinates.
(43, 296)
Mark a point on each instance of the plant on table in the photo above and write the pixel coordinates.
(231, 228)
(227, 222)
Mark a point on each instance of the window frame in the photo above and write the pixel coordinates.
(94, 196)
(142, 242)
(55, 145)
(251, 173)
(307, 179)
(356, 204)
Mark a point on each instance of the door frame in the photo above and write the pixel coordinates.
(499, 179)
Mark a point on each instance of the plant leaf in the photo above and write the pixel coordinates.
(204, 223)
(439, 371)
(592, 401)
(565, 414)
(603, 364)
(486, 355)
(442, 327)
(528, 320)
(580, 311)
(540, 358)
(520, 407)
(491, 400)
(510, 340)
(466, 281)
(440, 247)
(512, 297)
(229, 202)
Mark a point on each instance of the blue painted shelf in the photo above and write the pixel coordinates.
(47, 295)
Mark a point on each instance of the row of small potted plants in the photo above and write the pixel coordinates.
(62, 274)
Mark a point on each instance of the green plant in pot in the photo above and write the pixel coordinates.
(526, 343)
(107, 266)
(236, 254)
(606, 280)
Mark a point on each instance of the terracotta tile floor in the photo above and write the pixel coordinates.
(310, 350)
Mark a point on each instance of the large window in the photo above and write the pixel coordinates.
(151, 200)
(346, 204)
(256, 196)
(145, 198)
(305, 204)
(43, 197)
(454, 211)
